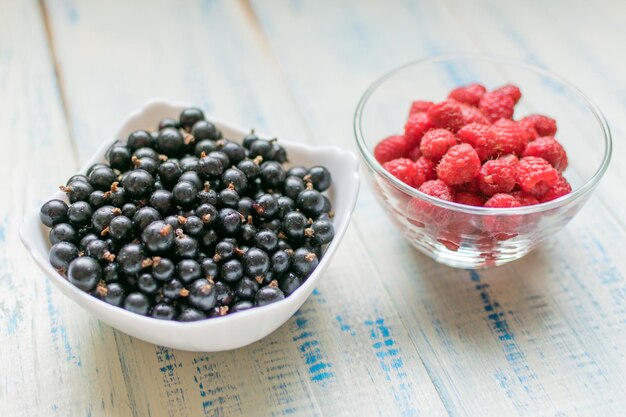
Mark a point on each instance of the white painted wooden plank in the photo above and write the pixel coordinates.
(346, 351)
(48, 366)
(528, 338)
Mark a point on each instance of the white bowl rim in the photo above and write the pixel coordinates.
(413, 192)
(32, 216)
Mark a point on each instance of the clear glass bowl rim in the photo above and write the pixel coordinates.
(413, 192)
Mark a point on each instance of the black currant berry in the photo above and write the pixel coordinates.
(189, 117)
(78, 191)
(203, 129)
(158, 237)
(190, 314)
(290, 283)
(202, 295)
(130, 258)
(138, 183)
(231, 271)
(138, 139)
(137, 303)
(293, 225)
(268, 295)
(256, 262)
(163, 311)
(144, 216)
(162, 201)
(61, 254)
(247, 288)
(304, 262)
(188, 270)
(63, 232)
(170, 142)
(84, 272)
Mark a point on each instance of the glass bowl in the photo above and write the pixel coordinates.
(477, 237)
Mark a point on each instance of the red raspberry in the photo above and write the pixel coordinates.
(438, 189)
(422, 213)
(496, 106)
(549, 149)
(561, 188)
(535, 175)
(527, 127)
(510, 158)
(507, 138)
(390, 148)
(414, 153)
(446, 115)
(496, 176)
(427, 168)
(420, 106)
(459, 165)
(469, 199)
(510, 90)
(415, 127)
(436, 143)
(502, 201)
(479, 136)
(544, 125)
(472, 115)
(469, 94)
(403, 169)
(524, 198)
(502, 227)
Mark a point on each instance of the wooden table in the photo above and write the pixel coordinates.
(388, 332)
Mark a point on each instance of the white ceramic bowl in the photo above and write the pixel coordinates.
(222, 333)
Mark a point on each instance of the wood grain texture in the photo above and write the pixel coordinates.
(388, 332)
(53, 356)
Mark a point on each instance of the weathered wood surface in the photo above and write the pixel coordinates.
(388, 332)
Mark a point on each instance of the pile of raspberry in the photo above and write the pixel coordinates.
(468, 149)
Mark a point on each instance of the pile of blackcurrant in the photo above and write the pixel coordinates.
(183, 224)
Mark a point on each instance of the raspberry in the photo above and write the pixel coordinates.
(415, 127)
(438, 189)
(496, 176)
(459, 165)
(561, 188)
(527, 127)
(502, 227)
(469, 94)
(535, 175)
(549, 149)
(403, 169)
(525, 198)
(420, 106)
(469, 199)
(544, 125)
(509, 158)
(436, 143)
(422, 213)
(510, 90)
(427, 168)
(472, 115)
(446, 115)
(414, 153)
(502, 201)
(496, 106)
(479, 136)
(507, 138)
(390, 148)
